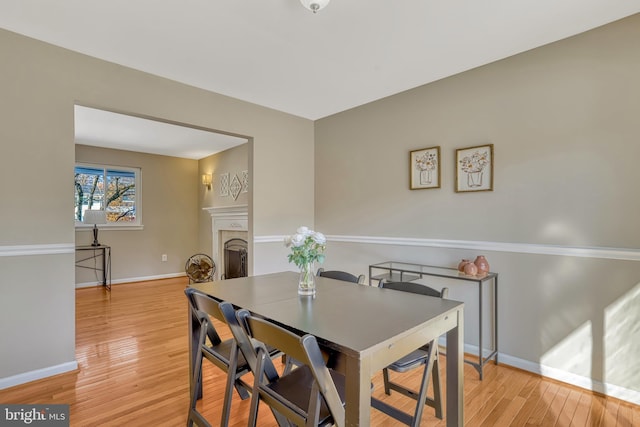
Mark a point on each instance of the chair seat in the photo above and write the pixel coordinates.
(222, 352)
(410, 361)
(289, 387)
(311, 394)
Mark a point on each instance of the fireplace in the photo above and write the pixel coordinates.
(230, 224)
(235, 258)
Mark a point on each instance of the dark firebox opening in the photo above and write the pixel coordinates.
(235, 258)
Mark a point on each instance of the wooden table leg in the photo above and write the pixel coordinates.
(455, 374)
(358, 392)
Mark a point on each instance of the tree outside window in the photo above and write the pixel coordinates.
(110, 188)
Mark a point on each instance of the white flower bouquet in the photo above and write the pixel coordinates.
(307, 246)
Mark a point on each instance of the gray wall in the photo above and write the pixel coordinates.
(169, 194)
(564, 123)
(40, 84)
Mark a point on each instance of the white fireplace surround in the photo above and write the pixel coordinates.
(226, 218)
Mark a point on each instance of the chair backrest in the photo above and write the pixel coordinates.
(341, 275)
(202, 306)
(416, 288)
(304, 349)
(203, 302)
(246, 345)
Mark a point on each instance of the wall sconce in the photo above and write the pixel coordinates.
(207, 179)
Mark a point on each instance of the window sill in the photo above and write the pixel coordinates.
(111, 227)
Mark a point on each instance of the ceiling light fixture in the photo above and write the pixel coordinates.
(314, 5)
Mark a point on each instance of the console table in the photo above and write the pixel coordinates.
(392, 271)
(102, 252)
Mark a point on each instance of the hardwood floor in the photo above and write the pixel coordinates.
(131, 347)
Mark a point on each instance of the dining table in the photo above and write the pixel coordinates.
(362, 329)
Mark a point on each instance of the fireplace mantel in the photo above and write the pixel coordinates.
(229, 218)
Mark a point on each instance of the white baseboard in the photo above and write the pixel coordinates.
(132, 279)
(631, 396)
(37, 374)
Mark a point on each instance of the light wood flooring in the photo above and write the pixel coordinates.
(132, 351)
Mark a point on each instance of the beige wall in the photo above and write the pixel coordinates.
(564, 123)
(233, 162)
(40, 84)
(169, 216)
(563, 119)
(37, 322)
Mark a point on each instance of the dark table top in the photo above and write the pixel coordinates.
(349, 317)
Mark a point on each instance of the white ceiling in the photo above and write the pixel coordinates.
(278, 54)
(123, 132)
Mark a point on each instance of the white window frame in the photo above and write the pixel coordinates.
(134, 225)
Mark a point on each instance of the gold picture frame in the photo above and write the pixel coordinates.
(424, 168)
(474, 168)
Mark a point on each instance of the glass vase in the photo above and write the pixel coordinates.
(307, 280)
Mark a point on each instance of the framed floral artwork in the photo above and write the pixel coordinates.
(474, 168)
(424, 168)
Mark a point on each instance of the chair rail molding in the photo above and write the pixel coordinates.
(48, 249)
(624, 254)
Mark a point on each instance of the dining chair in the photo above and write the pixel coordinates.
(223, 354)
(341, 275)
(425, 356)
(309, 395)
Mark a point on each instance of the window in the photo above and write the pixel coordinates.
(112, 188)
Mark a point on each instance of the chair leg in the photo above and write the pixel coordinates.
(437, 387)
(192, 404)
(314, 406)
(422, 395)
(228, 389)
(288, 364)
(196, 376)
(385, 377)
(255, 396)
(241, 390)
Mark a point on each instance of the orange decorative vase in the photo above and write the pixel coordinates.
(462, 264)
(470, 269)
(482, 264)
